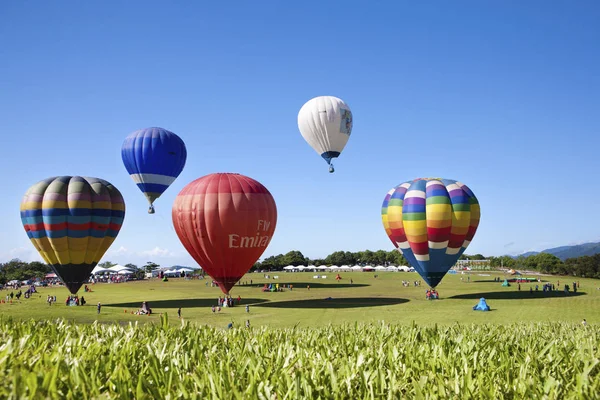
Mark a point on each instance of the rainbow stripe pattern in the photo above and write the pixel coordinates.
(431, 221)
(72, 221)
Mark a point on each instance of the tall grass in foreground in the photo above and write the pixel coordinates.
(43, 359)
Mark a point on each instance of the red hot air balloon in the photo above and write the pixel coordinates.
(225, 221)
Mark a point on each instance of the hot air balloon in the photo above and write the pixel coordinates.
(154, 157)
(72, 221)
(431, 221)
(325, 123)
(225, 221)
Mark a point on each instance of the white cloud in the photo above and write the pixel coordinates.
(157, 252)
(120, 251)
(27, 254)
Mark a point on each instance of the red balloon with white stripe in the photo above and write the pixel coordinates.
(225, 221)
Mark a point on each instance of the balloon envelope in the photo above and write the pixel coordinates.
(72, 221)
(325, 123)
(431, 221)
(154, 158)
(225, 221)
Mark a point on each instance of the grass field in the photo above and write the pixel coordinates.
(368, 299)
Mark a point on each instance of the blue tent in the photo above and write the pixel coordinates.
(482, 306)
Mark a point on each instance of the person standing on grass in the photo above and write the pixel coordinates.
(99, 307)
(179, 312)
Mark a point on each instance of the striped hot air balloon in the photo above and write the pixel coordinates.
(72, 221)
(154, 158)
(431, 221)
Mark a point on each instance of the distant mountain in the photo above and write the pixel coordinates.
(564, 252)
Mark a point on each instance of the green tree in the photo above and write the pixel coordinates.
(107, 264)
(295, 258)
(150, 266)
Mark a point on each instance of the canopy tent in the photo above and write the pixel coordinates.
(289, 268)
(346, 268)
(118, 268)
(311, 267)
(125, 272)
(100, 270)
(184, 269)
(380, 268)
(357, 268)
(50, 276)
(368, 268)
(171, 272)
(193, 267)
(482, 305)
(392, 268)
(323, 267)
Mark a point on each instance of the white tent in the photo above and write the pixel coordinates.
(357, 268)
(392, 268)
(380, 268)
(311, 267)
(346, 268)
(184, 269)
(289, 268)
(172, 272)
(119, 268)
(125, 272)
(100, 270)
(300, 267)
(403, 268)
(323, 267)
(334, 268)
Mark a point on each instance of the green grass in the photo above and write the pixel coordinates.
(360, 361)
(369, 299)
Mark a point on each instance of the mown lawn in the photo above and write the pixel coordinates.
(368, 299)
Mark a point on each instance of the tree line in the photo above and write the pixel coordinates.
(587, 266)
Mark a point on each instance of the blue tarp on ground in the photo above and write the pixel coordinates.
(482, 306)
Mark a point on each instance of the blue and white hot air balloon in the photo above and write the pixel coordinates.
(154, 157)
(325, 122)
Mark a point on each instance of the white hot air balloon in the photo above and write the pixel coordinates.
(325, 122)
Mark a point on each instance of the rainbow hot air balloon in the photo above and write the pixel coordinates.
(325, 122)
(154, 158)
(72, 221)
(431, 221)
(225, 221)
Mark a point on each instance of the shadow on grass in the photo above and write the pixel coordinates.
(351, 302)
(319, 285)
(183, 303)
(500, 282)
(517, 295)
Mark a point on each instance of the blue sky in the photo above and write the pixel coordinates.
(503, 96)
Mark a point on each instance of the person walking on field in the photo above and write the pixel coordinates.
(99, 307)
